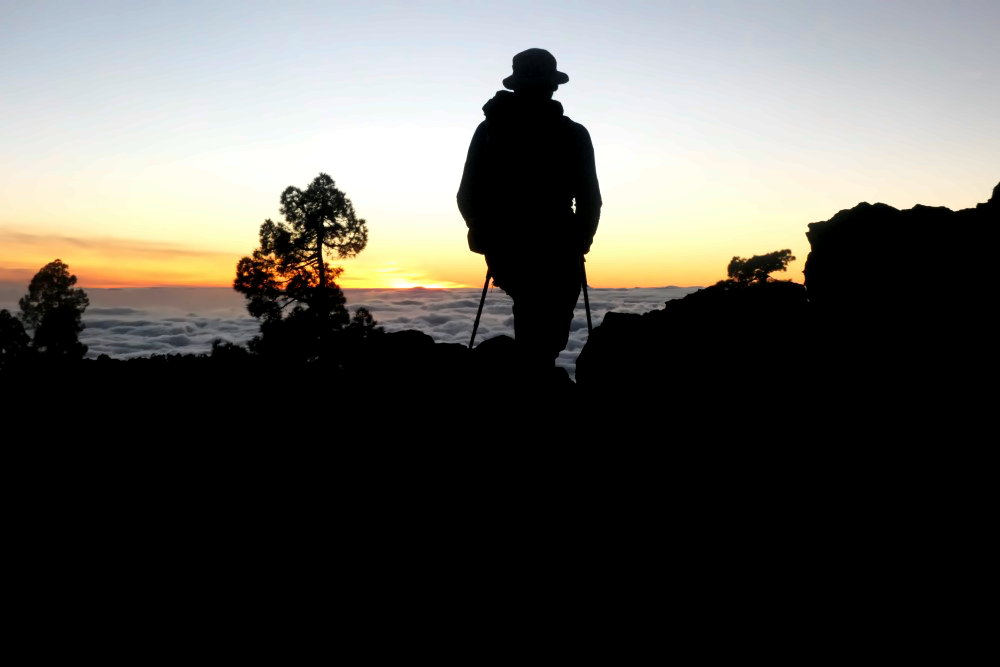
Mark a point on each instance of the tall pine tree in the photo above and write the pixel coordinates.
(288, 282)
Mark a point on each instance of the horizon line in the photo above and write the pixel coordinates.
(12, 283)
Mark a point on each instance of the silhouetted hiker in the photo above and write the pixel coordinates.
(528, 165)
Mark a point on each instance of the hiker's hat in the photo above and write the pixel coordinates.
(532, 67)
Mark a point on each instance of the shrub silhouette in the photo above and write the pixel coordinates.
(14, 342)
(757, 269)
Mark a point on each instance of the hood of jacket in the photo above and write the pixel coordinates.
(507, 107)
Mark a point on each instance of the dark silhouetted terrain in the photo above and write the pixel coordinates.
(889, 329)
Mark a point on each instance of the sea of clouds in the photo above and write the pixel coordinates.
(132, 322)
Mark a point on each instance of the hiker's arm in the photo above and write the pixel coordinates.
(469, 192)
(588, 192)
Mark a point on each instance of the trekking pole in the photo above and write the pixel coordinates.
(586, 299)
(479, 313)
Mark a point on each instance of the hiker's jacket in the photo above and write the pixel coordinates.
(528, 167)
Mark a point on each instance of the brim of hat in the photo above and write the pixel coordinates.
(557, 79)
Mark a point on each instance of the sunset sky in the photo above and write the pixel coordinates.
(143, 143)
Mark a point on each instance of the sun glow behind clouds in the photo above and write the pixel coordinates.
(406, 284)
(395, 277)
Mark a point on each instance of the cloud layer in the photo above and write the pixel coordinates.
(132, 322)
(448, 315)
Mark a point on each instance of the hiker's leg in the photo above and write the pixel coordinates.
(532, 330)
(543, 311)
(565, 293)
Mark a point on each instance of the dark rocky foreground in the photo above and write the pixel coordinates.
(889, 328)
(828, 438)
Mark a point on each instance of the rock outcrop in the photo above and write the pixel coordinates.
(894, 305)
(884, 263)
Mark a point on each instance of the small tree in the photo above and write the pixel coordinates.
(53, 310)
(287, 281)
(757, 269)
(13, 341)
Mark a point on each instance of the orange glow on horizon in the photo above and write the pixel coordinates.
(137, 274)
(406, 284)
(124, 263)
(102, 277)
(390, 275)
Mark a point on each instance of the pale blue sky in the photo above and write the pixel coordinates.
(720, 128)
